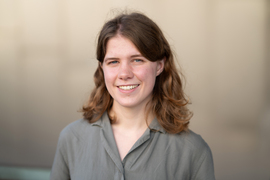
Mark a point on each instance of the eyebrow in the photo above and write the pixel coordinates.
(110, 58)
(115, 58)
(137, 55)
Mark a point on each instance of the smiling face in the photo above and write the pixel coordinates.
(129, 77)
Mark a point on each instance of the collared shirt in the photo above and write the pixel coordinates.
(89, 152)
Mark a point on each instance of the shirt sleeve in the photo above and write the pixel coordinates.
(60, 170)
(205, 166)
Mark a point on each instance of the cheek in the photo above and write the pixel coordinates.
(108, 76)
(147, 74)
(109, 82)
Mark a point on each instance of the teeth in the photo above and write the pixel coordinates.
(128, 87)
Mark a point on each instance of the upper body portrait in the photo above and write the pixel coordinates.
(135, 124)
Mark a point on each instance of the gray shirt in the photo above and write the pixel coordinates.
(88, 152)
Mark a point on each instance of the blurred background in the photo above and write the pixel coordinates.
(47, 61)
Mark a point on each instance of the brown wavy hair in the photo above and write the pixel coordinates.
(168, 99)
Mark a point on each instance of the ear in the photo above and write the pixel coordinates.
(100, 64)
(160, 66)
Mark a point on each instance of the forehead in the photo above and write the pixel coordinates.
(120, 46)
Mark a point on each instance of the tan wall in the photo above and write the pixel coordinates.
(47, 60)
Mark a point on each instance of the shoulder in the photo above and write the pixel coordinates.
(192, 139)
(199, 149)
(196, 143)
(189, 137)
(191, 143)
(197, 152)
(201, 156)
(78, 130)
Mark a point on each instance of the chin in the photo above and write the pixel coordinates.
(127, 105)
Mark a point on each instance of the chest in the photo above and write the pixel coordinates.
(125, 141)
(147, 159)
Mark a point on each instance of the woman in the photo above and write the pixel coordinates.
(135, 123)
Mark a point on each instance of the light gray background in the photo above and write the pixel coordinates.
(47, 61)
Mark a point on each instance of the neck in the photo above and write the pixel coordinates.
(131, 118)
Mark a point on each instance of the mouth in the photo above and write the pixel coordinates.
(129, 87)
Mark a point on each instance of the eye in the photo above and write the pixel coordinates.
(113, 62)
(138, 60)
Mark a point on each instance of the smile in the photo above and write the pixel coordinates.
(128, 87)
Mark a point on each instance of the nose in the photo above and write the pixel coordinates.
(125, 71)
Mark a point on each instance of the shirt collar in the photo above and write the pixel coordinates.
(104, 120)
(154, 125)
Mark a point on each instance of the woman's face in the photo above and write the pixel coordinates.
(129, 77)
